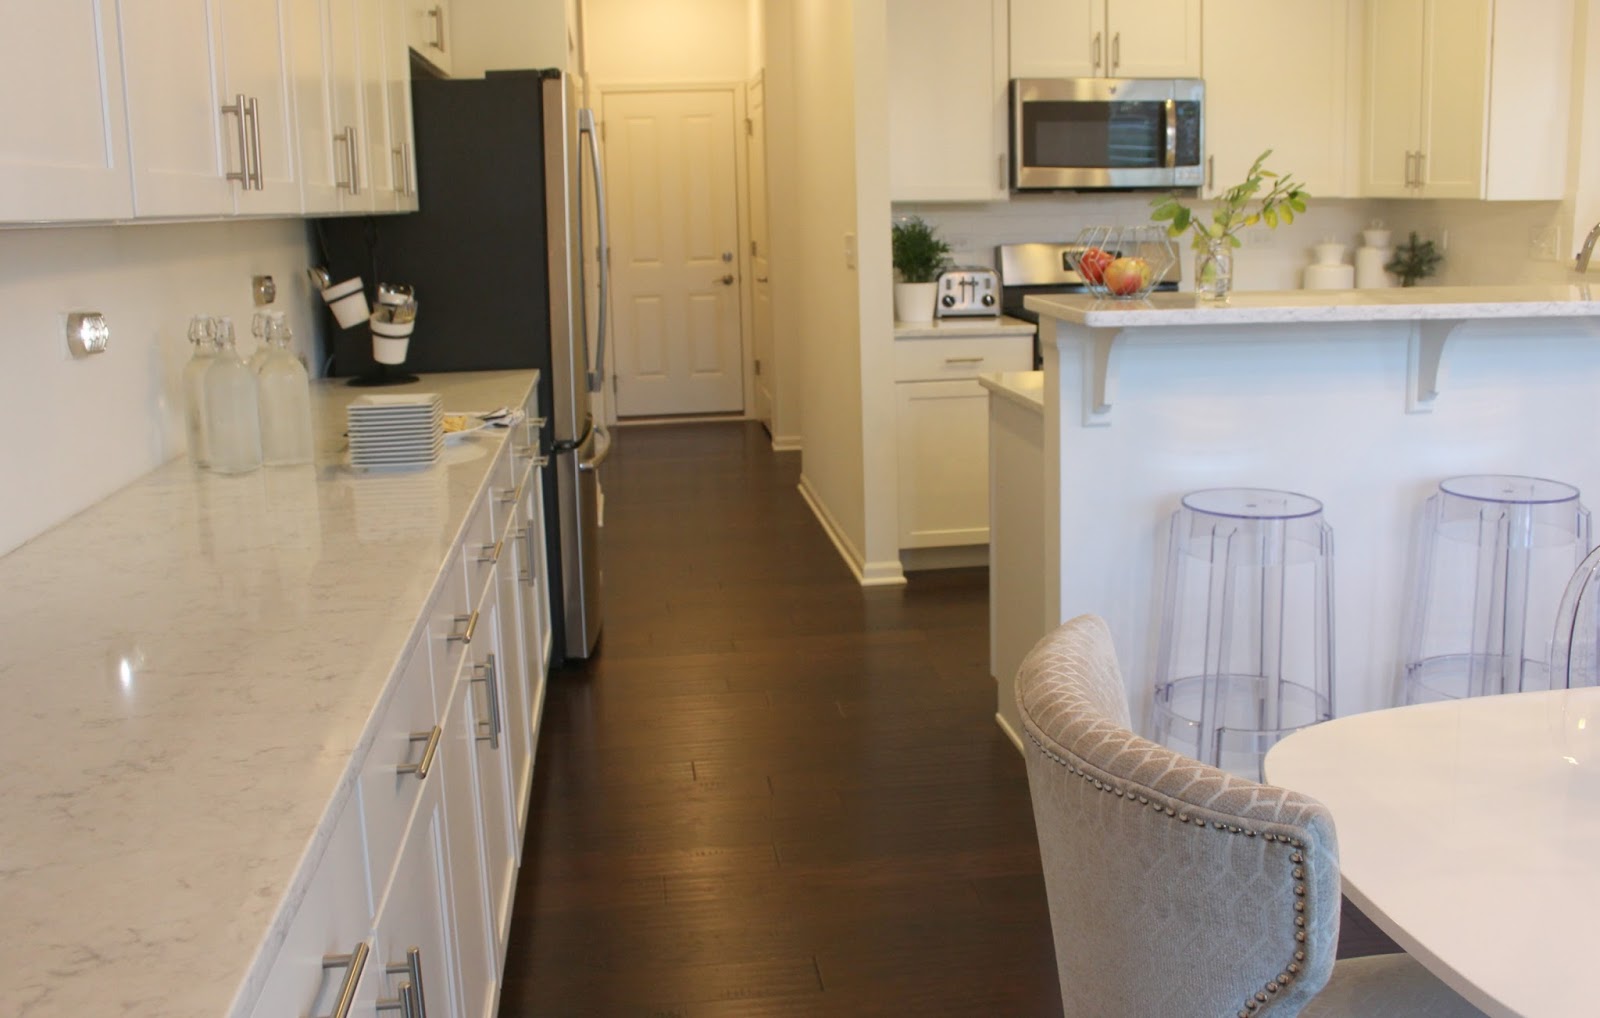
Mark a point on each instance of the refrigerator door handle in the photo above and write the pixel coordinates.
(586, 128)
(602, 438)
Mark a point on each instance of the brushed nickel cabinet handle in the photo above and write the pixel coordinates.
(491, 552)
(411, 968)
(423, 766)
(237, 109)
(541, 461)
(437, 14)
(490, 678)
(1422, 168)
(352, 963)
(1116, 51)
(507, 496)
(1211, 173)
(257, 178)
(1098, 49)
(465, 636)
(405, 1003)
(963, 360)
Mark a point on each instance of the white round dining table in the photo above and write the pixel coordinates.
(1469, 831)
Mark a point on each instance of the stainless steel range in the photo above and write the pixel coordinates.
(1042, 269)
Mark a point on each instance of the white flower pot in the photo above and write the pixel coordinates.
(913, 302)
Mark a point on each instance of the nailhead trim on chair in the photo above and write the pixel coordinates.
(1297, 858)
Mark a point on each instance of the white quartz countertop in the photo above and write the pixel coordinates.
(188, 667)
(1445, 303)
(939, 328)
(1025, 388)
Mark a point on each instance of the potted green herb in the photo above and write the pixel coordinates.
(1416, 259)
(919, 257)
(1238, 207)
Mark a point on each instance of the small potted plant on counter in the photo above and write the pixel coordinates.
(919, 257)
(1415, 259)
(1214, 240)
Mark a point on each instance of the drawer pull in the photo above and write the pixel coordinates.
(488, 675)
(405, 1003)
(421, 767)
(541, 461)
(491, 552)
(412, 969)
(508, 496)
(352, 963)
(963, 360)
(465, 636)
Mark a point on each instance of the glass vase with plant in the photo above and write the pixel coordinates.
(919, 256)
(1240, 206)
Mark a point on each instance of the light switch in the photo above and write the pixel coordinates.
(849, 250)
(87, 333)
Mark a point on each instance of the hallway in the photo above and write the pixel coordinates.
(773, 792)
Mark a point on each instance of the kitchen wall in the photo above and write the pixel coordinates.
(1269, 259)
(783, 217)
(756, 37)
(1485, 242)
(501, 34)
(77, 430)
(666, 42)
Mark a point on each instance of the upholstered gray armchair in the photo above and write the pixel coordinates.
(1175, 888)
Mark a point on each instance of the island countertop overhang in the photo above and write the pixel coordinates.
(1290, 307)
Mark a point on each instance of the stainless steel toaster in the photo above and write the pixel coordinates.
(966, 292)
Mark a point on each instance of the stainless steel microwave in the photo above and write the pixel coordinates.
(1107, 133)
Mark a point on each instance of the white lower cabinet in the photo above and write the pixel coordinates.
(409, 968)
(487, 679)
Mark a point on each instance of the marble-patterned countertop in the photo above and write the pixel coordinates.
(1438, 303)
(189, 667)
(1025, 388)
(941, 328)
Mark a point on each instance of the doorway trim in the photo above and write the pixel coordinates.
(741, 172)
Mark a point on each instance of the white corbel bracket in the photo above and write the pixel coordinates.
(1425, 363)
(1100, 357)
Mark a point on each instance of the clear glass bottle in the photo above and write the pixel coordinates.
(285, 399)
(233, 425)
(259, 323)
(203, 335)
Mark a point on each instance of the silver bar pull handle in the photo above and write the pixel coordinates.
(586, 127)
(603, 439)
(423, 766)
(405, 164)
(1098, 49)
(1000, 185)
(437, 14)
(257, 178)
(1171, 109)
(491, 552)
(508, 496)
(541, 461)
(405, 1003)
(490, 678)
(1211, 173)
(352, 963)
(1116, 52)
(411, 968)
(963, 360)
(465, 636)
(237, 109)
(1422, 168)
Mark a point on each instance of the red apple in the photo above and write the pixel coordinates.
(1092, 264)
(1127, 276)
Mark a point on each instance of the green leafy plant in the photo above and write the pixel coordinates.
(1415, 259)
(1239, 206)
(919, 254)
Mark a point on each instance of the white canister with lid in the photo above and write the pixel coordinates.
(1371, 257)
(1330, 271)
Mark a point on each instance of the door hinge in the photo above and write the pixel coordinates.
(758, 366)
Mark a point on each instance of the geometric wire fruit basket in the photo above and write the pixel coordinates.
(1122, 262)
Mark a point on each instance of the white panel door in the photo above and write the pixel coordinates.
(176, 127)
(311, 68)
(63, 155)
(410, 940)
(377, 154)
(673, 200)
(348, 95)
(253, 61)
(427, 31)
(476, 958)
(1455, 95)
(1153, 38)
(514, 672)
(1393, 97)
(943, 436)
(487, 712)
(764, 396)
(1305, 120)
(397, 63)
(1057, 38)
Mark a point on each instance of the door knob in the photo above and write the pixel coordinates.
(726, 280)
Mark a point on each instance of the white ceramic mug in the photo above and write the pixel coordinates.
(348, 301)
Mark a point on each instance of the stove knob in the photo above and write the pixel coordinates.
(988, 300)
(948, 300)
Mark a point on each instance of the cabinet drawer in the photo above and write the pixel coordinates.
(447, 623)
(477, 546)
(502, 489)
(927, 360)
(398, 765)
(332, 919)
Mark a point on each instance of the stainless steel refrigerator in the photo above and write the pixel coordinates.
(496, 254)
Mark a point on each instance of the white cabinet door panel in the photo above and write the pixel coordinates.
(376, 155)
(427, 31)
(65, 158)
(1393, 97)
(476, 962)
(254, 57)
(347, 95)
(944, 463)
(176, 128)
(1455, 98)
(1153, 38)
(1057, 38)
(312, 68)
(410, 940)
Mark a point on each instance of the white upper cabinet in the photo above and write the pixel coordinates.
(1467, 99)
(397, 64)
(947, 100)
(254, 65)
(347, 94)
(311, 64)
(377, 154)
(63, 137)
(1105, 38)
(427, 31)
(1310, 128)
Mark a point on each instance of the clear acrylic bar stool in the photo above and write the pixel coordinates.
(1575, 645)
(1494, 553)
(1246, 645)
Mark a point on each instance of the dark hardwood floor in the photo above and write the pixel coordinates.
(774, 793)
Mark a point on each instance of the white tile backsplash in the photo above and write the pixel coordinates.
(76, 430)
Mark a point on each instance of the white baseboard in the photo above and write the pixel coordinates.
(962, 556)
(652, 422)
(1005, 726)
(785, 443)
(868, 574)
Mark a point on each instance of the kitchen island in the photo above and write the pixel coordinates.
(1362, 399)
(203, 673)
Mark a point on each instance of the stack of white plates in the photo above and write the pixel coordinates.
(395, 432)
